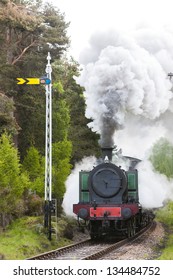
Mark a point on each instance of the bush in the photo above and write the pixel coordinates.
(165, 215)
(66, 227)
(34, 205)
(162, 157)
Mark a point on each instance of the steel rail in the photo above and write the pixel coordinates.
(119, 244)
(58, 252)
(54, 254)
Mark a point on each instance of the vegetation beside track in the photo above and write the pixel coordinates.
(25, 237)
(165, 216)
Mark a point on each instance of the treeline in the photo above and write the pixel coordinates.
(28, 31)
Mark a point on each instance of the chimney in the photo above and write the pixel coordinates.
(107, 151)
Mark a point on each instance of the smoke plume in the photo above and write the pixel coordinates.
(126, 75)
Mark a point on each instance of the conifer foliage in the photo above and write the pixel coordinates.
(12, 180)
(28, 31)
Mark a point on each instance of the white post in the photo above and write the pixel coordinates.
(48, 136)
(48, 150)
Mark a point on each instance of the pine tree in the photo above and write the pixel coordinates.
(84, 141)
(7, 121)
(33, 164)
(28, 30)
(61, 153)
(12, 180)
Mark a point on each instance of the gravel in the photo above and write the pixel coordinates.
(147, 249)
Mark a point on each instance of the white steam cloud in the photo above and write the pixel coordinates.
(154, 188)
(129, 99)
(125, 77)
(72, 184)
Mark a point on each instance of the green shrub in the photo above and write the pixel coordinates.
(34, 205)
(165, 215)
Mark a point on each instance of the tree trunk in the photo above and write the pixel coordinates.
(9, 58)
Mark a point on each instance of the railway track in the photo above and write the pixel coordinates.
(90, 250)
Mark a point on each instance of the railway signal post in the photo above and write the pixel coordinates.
(46, 80)
(48, 150)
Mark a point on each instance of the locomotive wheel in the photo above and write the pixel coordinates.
(131, 228)
(95, 231)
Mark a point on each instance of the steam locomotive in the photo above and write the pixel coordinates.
(109, 200)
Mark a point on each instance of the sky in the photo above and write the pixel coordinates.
(88, 16)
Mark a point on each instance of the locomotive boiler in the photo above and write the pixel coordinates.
(109, 200)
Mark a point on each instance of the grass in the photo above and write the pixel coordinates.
(167, 253)
(25, 237)
(165, 216)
